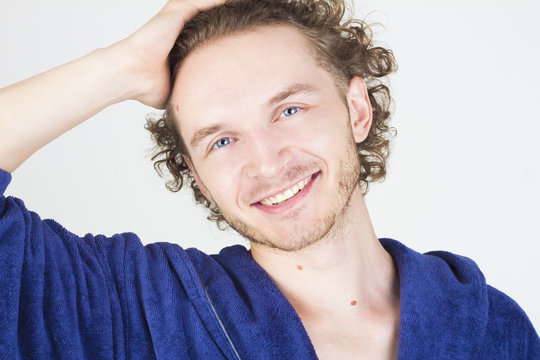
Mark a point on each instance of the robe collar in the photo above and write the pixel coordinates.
(443, 305)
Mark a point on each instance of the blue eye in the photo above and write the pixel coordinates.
(222, 142)
(289, 111)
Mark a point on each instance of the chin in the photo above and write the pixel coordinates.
(287, 239)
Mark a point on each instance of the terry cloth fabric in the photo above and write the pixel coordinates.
(94, 297)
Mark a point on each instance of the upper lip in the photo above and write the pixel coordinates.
(290, 185)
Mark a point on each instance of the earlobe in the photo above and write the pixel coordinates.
(361, 113)
(198, 180)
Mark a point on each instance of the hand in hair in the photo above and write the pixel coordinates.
(149, 46)
(37, 110)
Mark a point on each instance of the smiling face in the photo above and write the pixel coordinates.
(271, 140)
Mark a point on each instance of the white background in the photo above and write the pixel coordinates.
(463, 175)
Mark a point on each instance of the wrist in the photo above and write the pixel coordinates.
(119, 71)
(138, 72)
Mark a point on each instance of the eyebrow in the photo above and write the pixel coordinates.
(293, 89)
(202, 133)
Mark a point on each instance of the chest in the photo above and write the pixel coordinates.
(354, 343)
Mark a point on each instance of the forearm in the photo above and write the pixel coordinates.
(38, 110)
(35, 111)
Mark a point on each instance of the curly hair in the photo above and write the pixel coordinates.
(343, 48)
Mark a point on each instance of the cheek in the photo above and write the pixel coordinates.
(324, 131)
(220, 179)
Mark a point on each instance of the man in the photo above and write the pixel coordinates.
(273, 150)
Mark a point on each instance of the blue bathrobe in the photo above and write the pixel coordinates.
(68, 297)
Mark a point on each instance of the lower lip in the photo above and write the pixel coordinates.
(287, 204)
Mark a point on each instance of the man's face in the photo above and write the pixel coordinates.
(264, 124)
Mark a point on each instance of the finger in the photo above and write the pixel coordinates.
(207, 4)
(195, 5)
(189, 8)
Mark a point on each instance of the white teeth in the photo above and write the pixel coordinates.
(287, 194)
(280, 197)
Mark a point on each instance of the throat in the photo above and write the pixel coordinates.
(345, 277)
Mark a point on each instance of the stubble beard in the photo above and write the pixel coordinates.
(314, 231)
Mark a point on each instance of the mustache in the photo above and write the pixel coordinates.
(260, 189)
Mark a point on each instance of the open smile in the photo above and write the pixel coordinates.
(287, 194)
(286, 199)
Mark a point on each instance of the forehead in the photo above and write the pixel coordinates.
(240, 73)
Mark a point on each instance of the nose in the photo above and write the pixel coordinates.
(266, 156)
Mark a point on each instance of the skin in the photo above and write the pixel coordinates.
(322, 251)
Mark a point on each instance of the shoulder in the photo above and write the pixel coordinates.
(509, 329)
(445, 293)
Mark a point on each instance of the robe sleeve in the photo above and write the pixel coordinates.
(58, 297)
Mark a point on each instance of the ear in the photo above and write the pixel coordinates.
(360, 110)
(200, 184)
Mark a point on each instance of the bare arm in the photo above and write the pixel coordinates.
(35, 111)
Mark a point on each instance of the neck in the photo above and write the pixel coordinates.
(347, 273)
